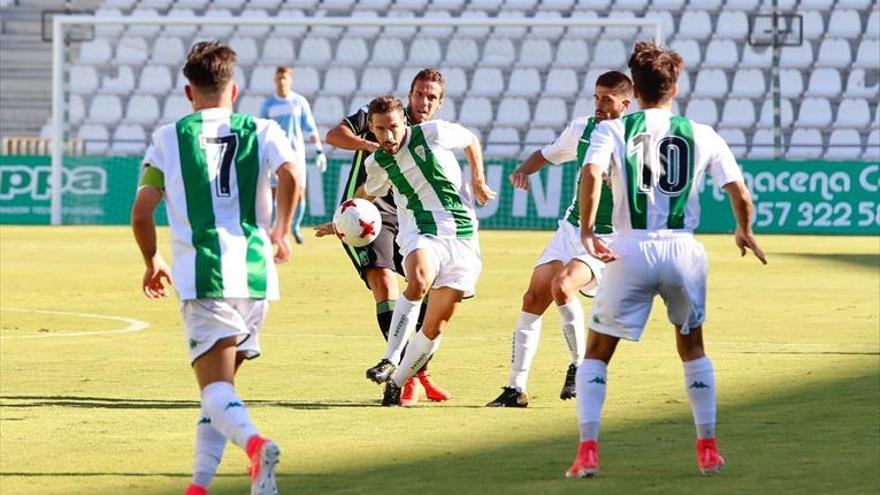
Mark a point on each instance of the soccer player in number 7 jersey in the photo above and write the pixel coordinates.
(212, 167)
(438, 229)
(658, 161)
(564, 267)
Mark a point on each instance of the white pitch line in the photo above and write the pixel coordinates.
(133, 325)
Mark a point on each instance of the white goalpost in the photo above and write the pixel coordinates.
(61, 24)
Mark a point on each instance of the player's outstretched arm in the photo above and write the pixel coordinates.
(520, 177)
(590, 188)
(474, 154)
(157, 272)
(741, 204)
(288, 194)
(343, 137)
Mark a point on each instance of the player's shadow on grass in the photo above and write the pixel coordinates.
(808, 436)
(858, 259)
(36, 401)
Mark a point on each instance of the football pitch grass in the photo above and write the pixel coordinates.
(796, 347)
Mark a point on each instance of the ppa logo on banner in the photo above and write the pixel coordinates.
(24, 180)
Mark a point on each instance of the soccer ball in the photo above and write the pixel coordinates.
(357, 222)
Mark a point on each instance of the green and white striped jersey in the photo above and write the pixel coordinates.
(572, 145)
(431, 195)
(658, 162)
(216, 167)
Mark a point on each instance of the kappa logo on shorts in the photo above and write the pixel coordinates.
(597, 379)
(205, 421)
(193, 343)
(698, 385)
(420, 151)
(596, 319)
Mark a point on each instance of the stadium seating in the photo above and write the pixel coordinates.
(509, 78)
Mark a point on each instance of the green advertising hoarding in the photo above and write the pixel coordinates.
(796, 197)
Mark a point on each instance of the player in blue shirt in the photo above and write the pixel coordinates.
(294, 114)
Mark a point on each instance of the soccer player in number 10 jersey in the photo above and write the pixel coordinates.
(657, 162)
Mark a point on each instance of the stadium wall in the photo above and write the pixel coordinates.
(791, 197)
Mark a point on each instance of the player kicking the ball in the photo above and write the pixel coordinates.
(212, 168)
(657, 162)
(565, 266)
(438, 229)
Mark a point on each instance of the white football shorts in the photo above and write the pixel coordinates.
(566, 246)
(207, 321)
(457, 262)
(669, 263)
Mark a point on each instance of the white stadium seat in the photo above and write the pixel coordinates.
(168, 50)
(511, 32)
(498, 53)
(217, 30)
(447, 5)
(557, 5)
(735, 139)
(550, 33)
(129, 139)
(315, 52)
(145, 30)
(562, 83)
(95, 52)
(844, 24)
(472, 32)
(447, 110)
(732, 25)
(571, 53)
(339, 81)
(689, 51)
(132, 51)
(119, 4)
(854, 4)
(592, 5)
(503, 142)
(791, 83)
(437, 32)
(155, 80)
(813, 25)
(684, 84)
(853, 113)
(175, 107)
(824, 82)
(786, 115)
(363, 32)
(524, 82)
(537, 137)
(179, 30)
(535, 53)
(142, 109)
(351, 52)
(805, 143)
(722, 54)
(302, 4)
(550, 112)
(108, 30)
(374, 5)
(250, 104)
(859, 84)
(475, 112)
(490, 6)
(257, 9)
(872, 150)
(306, 81)
(76, 109)
(749, 83)
(797, 57)
(245, 49)
(762, 144)
(425, 52)
(834, 53)
(816, 4)
(233, 5)
(626, 33)
(843, 144)
(707, 5)
(738, 112)
(388, 53)
(263, 80)
(610, 53)
(83, 79)
(105, 109)
(520, 4)
(695, 24)
(702, 110)
(376, 81)
(814, 112)
(583, 32)
(328, 32)
(867, 54)
(155, 4)
(872, 28)
(670, 5)
(278, 50)
(585, 107)
(637, 5)
(456, 82)
(710, 83)
(240, 78)
(756, 57)
(328, 110)
(96, 137)
(415, 5)
(291, 31)
(741, 5)
(487, 81)
(667, 24)
(120, 83)
(462, 53)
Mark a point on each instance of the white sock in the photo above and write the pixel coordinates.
(590, 385)
(418, 352)
(228, 414)
(525, 345)
(210, 445)
(572, 314)
(699, 382)
(403, 323)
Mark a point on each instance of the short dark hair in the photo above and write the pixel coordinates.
(617, 82)
(430, 75)
(384, 104)
(283, 70)
(210, 65)
(655, 71)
